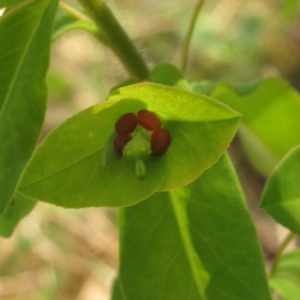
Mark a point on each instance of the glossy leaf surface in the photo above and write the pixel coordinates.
(67, 168)
(23, 66)
(281, 195)
(197, 242)
(270, 122)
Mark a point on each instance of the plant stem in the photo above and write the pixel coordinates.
(72, 12)
(82, 17)
(279, 253)
(188, 37)
(116, 37)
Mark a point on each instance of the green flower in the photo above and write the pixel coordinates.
(79, 165)
(137, 137)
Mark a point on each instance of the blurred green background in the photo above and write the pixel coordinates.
(73, 254)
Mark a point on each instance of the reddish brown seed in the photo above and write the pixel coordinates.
(160, 141)
(126, 124)
(120, 141)
(148, 120)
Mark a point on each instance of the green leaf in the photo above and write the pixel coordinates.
(86, 25)
(289, 266)
(126, 82)
(270, 120)
(169, 75)
(197, 242)
(201, 128)
(10, 3)
(286, 280)
(23, 66)
(65, 22)
(204, 87)
(117, 291)
(281, 196)
(62, 19)
(286, 288)
(18, 208)
(67, 168)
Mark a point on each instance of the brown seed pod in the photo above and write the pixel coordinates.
(126, 124)
(160, 141)
(148, 120)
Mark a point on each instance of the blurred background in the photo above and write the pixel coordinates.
(73, 254)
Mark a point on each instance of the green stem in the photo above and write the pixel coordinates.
(100, 35)
(116, 37)
(72, 12)
(279, 253)
(188, 37)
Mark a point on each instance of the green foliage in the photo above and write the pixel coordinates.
(191, 231)
(186, 232)
(270, 120)
(64, 23)
(23, 90)
(286, 280)
(17, 209)
(168, 74)
(78, 147)
(282, 195)
(11, 3)
(190, 118)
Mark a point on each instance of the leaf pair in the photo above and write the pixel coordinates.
(67, 168)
